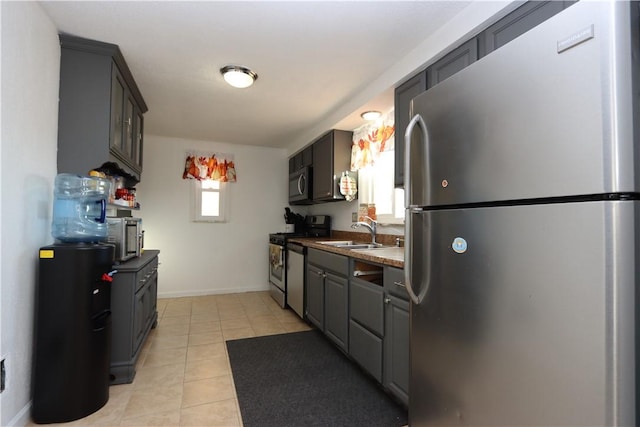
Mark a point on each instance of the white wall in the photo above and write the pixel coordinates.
(30, 75)
(210, 258)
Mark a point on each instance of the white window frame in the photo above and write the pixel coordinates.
(383, 172)
(202, 187)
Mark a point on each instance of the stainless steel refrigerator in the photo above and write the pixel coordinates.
(522, 230)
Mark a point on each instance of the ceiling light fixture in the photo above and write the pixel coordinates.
(238, 76)
(371, 115)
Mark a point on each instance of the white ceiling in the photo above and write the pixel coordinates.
(311, 57)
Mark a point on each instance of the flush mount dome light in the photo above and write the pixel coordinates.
(238, 76)
(371, 115)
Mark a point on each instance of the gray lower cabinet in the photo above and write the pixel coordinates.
(396, 335)
(315, 295)
(336, 323)
(367, 316)
(367, 325)
(327, 295)
(134, 293)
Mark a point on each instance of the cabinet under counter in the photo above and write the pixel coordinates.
(134, 293)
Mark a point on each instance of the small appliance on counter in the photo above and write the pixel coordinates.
(127, 236)
(313, 226)
(293, 222)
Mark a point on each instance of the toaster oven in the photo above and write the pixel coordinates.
(126, 234)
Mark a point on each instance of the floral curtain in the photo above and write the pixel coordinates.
(370, 140)
(211, 166)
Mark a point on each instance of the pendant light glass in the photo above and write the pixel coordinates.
(238, 76)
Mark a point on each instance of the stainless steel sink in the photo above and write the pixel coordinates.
(359, 246)
(350, 244)
(337, 242)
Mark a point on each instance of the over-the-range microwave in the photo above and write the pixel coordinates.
(300, 186)
(127, 235)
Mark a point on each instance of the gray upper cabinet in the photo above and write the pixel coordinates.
(301, 159)
(454, 61)
(331, 156)
(519, 22)
(447, 66)
(402, 100)
(100, 111)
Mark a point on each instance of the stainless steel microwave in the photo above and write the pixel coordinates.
(127, 235)
(300, 187)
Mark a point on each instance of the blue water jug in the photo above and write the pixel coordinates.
(79, 208)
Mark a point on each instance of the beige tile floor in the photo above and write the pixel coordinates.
(183, 374)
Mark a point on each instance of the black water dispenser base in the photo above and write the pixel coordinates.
(72, 340)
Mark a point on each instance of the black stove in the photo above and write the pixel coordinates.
(281, 238)
(314, 226)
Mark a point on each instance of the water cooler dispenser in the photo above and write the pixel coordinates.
(72, 337)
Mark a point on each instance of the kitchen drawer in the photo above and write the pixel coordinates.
(145, 273)
(394, 282)
(366, 301)
(366, 349)
(329, 261)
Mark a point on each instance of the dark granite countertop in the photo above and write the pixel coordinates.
(313, 242)
(135, 264)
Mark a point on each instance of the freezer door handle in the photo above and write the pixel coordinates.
(417, 120)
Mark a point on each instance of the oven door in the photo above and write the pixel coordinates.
(277, 271)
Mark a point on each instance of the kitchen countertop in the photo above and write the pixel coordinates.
(313, 242)
(135, 264)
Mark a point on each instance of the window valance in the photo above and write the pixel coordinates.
(210, 166)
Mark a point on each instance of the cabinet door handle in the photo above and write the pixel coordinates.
(320, 273)
(399, 284)
(387, 300)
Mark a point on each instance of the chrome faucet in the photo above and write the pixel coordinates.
(371, 227)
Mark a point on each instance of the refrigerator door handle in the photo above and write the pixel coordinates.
(417, 120)
(408, 229)
(408, 249)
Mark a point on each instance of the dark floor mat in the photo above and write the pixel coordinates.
(301, 379)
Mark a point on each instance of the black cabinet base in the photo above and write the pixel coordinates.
(72, 337)
(125, 372)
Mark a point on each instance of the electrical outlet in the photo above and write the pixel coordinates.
(354, 216)
(3, 376)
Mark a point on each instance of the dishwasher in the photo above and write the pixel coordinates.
(295, 277)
